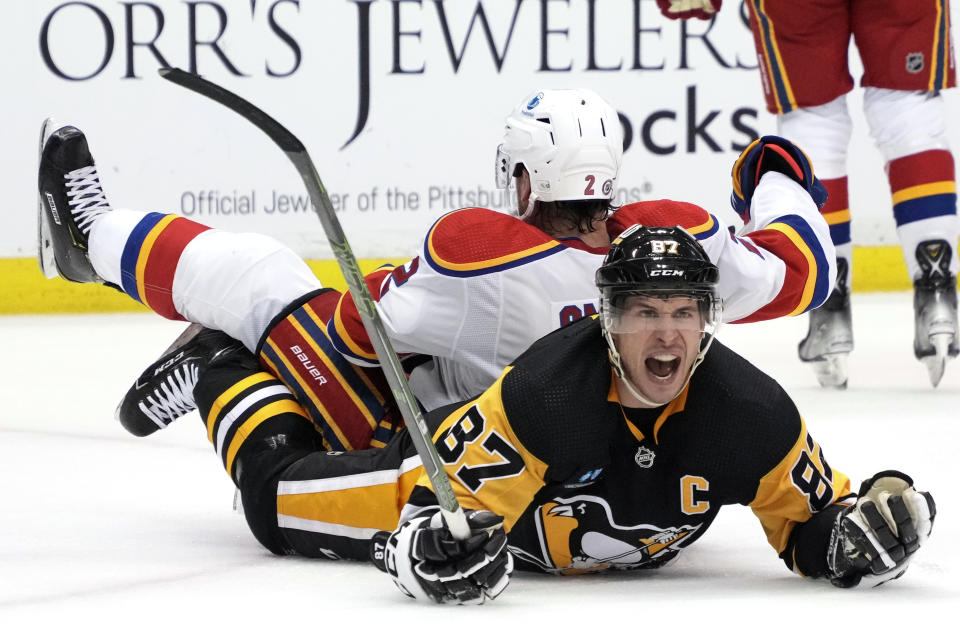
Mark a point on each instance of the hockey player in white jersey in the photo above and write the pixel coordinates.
(484, 286)
(906, 52)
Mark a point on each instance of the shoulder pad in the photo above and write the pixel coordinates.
(470, 242)
(665, 213)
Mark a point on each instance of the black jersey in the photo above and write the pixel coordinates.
(585, 484)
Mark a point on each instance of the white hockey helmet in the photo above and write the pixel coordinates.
(570, 142)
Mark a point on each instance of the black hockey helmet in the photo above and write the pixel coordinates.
(656, 258)
(661, 262)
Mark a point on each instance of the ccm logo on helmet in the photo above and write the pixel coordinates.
(666, 272)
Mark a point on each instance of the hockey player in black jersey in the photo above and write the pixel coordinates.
(611, 443)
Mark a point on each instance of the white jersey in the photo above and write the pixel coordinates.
(486, 285)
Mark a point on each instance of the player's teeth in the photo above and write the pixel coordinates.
(665, 358)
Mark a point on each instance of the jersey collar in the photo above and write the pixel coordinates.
(676, 405)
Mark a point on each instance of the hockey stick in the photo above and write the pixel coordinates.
(297, 153)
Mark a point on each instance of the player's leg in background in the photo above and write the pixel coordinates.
(903, 75)
(802, 51)
(236, 282)
(908, 129)
(297, 497)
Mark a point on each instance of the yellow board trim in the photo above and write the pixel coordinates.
(26, 291)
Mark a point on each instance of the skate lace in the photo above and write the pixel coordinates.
(173, 397)
(85, 196)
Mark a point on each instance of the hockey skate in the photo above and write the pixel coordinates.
(830, 337)
(71, 198)
(935, 309)
(164, 391)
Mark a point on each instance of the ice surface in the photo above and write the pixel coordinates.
(106, 535)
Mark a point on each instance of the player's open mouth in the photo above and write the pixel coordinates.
(662, 366)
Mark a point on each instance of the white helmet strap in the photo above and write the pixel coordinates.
(531, 205)
(617, 364)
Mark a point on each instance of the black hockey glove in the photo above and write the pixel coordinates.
(874, 540)
(427, 563)
(772, 153)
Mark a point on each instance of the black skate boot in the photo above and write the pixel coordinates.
(71, 198)
(830, 337)
(935, 309)
(164, 391)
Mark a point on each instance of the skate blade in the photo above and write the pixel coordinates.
(831, 371)
(937, 363)
(45, 255)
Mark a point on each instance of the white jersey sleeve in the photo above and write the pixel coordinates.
(485, 285)
(784, 264)
(483, 288)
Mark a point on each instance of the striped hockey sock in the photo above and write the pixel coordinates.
(924, 195)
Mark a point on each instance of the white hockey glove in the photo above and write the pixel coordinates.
(874, 540)
(427, 563)
(684, 9)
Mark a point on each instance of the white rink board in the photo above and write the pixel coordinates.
(436, 92)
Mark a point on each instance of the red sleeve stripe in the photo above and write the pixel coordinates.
(805, 283)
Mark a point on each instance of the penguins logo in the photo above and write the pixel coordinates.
(578, 535)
